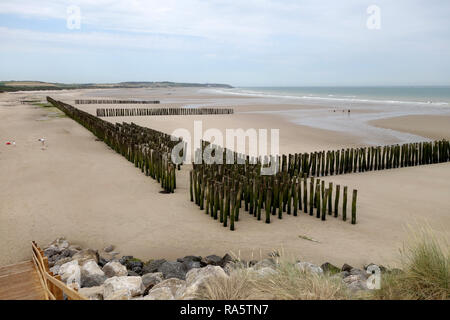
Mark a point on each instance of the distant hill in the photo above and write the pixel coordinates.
(11, 86)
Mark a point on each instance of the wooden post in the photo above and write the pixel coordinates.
(344, 205)
(336, 201)
(355, 193)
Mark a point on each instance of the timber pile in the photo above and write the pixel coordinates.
(149, 150)
(91, 101)
(124, 112)
(223, 189)
(351, 160)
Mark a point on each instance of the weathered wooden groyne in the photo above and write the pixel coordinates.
(223, 189)
(131, 112)
(109, 101)
(374, 158)
(149, 150)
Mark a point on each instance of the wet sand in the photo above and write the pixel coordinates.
(80, 188)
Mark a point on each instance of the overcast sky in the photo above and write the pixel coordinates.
(243, 43)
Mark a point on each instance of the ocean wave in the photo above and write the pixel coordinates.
(330, 97)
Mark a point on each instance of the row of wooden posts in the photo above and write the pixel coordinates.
(148, 149)
(91, 101)
(124, 112)
(350, 160)
(223, 189)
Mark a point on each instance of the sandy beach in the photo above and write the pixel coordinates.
(79, 188)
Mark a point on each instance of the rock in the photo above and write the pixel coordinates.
(266, 263)
(176, 286)
(109, 248)
(212, 260)
(373, 266)
(92, 280)
(196, 278)
(122, 288)
(343, 274)
(164, 293)
(309, 267)
(152, 279)
(330, 269)
(75, 247)
(188, 265)
(358, 272)
(70, 272)
(190, 258)
(91, 267)
(91, 274)
(92, 293)
(55, 269)
(131, 273)
(152, 266)
(226, 259)
(190, 262)
(115, 269)
(354, 282)
(102, 261)
(134, 264)
(60, 262)
(86, 255)
(51, 251)
(233, 265)
(59, 243)
(346, 267)
(125, 259)
(172, 270)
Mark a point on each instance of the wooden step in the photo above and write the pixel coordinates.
(20, 282)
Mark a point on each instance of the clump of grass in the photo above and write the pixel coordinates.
(425, 273)
(286, 282)
(237, 286)
(291, 283)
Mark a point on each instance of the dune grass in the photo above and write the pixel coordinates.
(424, 275)
(287, 282)
(425, 269)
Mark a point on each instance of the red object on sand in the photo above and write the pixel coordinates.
(8, 143)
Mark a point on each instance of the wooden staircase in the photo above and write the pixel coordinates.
(32, 280)
(20, 282)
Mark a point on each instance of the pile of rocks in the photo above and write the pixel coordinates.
(103, 276)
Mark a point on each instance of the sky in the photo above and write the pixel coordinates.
(242, 43)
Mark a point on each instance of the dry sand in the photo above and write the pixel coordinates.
(80, 188)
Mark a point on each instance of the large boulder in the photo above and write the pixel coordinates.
(346, 267)
(196, 279)
(91, 274)
(92, 293)
(152, 266)
(122, 288)
(309, 267)
(70, 272)
(176, 286)
(115, 269)
(86, 255)
(173, 270)
(330, 268)
(152, 279)
(212, 260)
(355, 282)
(190, 262)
